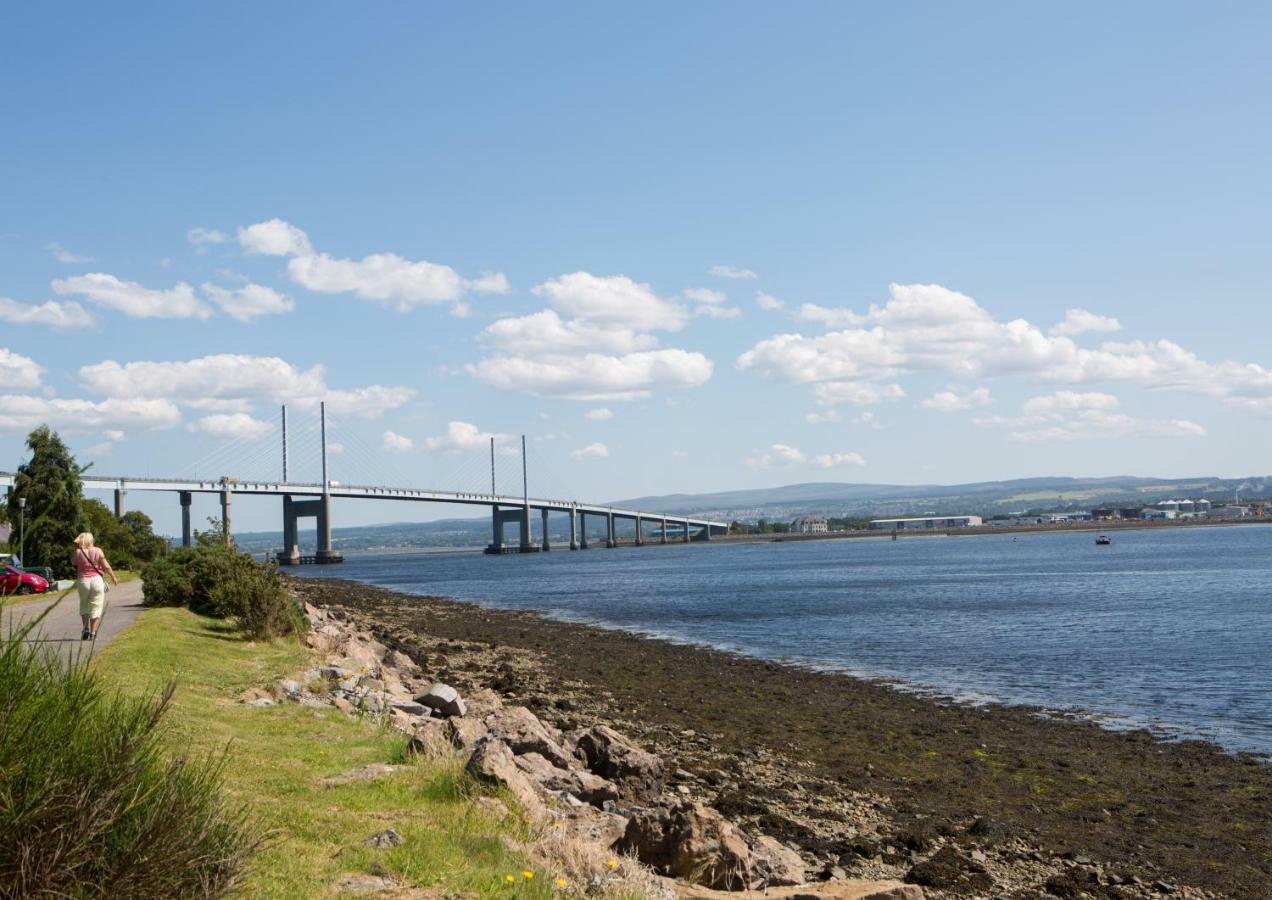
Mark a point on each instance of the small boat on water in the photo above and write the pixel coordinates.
(1103, 539)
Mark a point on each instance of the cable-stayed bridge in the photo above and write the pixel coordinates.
(312, 499)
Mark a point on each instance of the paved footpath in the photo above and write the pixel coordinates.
(61, 628)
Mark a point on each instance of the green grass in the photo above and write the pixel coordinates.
(123, 576)
(277, 755)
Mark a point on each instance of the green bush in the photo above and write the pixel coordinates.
(91, 805)
(219, 581)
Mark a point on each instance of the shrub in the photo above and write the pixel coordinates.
(90, 802)
(219, 581)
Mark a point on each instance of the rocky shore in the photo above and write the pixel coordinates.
(776, 770)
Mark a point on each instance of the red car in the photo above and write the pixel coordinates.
(15, 581)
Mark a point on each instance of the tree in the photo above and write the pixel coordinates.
(50, 482)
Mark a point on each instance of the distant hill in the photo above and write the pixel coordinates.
(829, 498)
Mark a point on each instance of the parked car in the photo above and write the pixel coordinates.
(17, 581)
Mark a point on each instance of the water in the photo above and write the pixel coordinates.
(1168, 628)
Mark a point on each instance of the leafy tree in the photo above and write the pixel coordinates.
(50, 482)
(146, 546)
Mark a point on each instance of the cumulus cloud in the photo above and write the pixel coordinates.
(821, 418)
(768, 302)
(370, 402)
(385, 278)
(955, 400)
(396, 443)
(837, 460)
(19, 372)
(463, 437)
(600, 414)
(711, 303)
(731, 272)
(545, 332)
(591, 451)
(1080, 321)
(777, 455)
(613, 300)
(1068, 401)
(829, 317)
(274, 238)
(233, 427)
(50, 313)
(850, 393)
(201, 237)
(249, 301)
(929, 328)
(62, 255)
(1084, 415)
(595, 376)
(133, 299)
(74, 416)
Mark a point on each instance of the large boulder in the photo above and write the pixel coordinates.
(521, 730)
(492, 762)
(443, 698)
(692, 842)
(431, 738)
(775, 863)
(639, 774)
(465, 731)
(582, 784)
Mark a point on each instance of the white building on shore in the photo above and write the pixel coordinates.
(810, 525)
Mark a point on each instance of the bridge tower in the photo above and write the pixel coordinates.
(320, 509)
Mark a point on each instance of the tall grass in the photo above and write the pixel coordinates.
(91, 802)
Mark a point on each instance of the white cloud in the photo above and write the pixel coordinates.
(545, 332)
(1068, 401)
(274, 238)
(614, 300)
(600, 414)
(777, 455)
(396, 443)
(233, 427)
(463, 437)
(1090, 415)
(22, 413)
(821, 418)
(928, 328)
(954, 400)
(18, 372)
(731, 272)
(113, 434)
(711, 303)
(133, 299)
(595, 376)
(868, 419)
(1080, 321)
(200, 237)
(768, 302)
(828, 317)
(62, 255)
(591, 451)
(51, 313)
(248, 302)
(369, 402)
(856, 393)
(100, 449)
(836, 460)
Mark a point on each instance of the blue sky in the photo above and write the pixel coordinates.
(508, 218)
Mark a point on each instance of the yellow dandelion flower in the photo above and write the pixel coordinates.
(560, 882)
(510, 878)
(613, 864)
(527, 874)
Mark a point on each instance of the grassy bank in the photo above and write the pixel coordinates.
(277, 757)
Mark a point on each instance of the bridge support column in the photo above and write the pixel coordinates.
(496, 536)
(574, 529)
(706, 531)
(546, 545)
(609, 531)
(226, 509)
(663, 538)
(684, 537)
(290, 554)
(526, 542)
(325, 552)
(640, 532)
(186, 497)
(119, 503)
(582, 531)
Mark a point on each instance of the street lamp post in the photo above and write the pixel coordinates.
(21, 527)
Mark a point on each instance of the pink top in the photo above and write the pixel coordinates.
(90, 562)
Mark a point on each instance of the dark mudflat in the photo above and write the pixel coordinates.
(1186, 813)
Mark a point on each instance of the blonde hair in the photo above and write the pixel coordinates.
(84, 540)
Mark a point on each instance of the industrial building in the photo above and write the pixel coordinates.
(925, 522)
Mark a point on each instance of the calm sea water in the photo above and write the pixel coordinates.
(1171, 629)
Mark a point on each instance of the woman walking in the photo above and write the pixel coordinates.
(90, 566)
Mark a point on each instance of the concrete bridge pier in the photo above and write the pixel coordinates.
(496, 536)
(574, 529)
(684, 537)
(119, 503)
(186, 498)
(706, 532)
(226, 501)
(326, 554)
(663, 537)
(640, 532)
(527, 542)
(610, 542)
(290, 554)
(546, 546)
(582, 531)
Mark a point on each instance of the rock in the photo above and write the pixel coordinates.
(291, 688)
(371, 684)
(775, 864)
(827, 890)
(403, 663)
(483, 702)
(522, 731)
(365, 884)
(465, 731)
(638, 773)
(344, 706)
(493, 763)
(371, 704)
(586, 786)
(950, 870)
(443, 698)
(431, 738)
(261, 701)
(382, 840)
(1163, 887)
(692, 842)
(410, 708)
(370, 772)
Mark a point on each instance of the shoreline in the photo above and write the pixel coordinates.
(824, 759)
